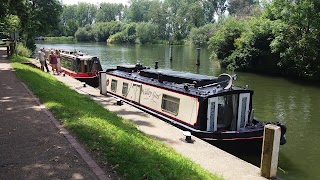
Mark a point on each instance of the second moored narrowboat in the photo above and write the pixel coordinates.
(81, 66)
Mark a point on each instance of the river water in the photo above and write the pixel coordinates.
(293, 103)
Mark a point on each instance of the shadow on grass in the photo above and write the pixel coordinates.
(133, 154)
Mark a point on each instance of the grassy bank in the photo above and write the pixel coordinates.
(62, 38)
(133, 154)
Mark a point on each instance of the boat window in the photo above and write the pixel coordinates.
(114, 85)
(125, 89)
(170, 104)
(227, 112)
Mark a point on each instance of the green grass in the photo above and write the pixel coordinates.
(134, 154)
(62, 38)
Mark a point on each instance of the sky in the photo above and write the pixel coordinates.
(68, 2)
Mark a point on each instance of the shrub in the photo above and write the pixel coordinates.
(200, 36)
(23, 51)
(116, 38)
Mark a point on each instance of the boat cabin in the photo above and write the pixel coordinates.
(80, 64)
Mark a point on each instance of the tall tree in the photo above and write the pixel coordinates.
(36, 17)
(158, 17)
(242, 8)
(69, 19)
(86, 13)
(138, 11)
(109, 12)
(298, 39)
(213, 9)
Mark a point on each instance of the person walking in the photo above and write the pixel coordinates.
(57, 53)
(42, 58)
(53, 61)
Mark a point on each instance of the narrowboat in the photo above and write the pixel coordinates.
(211, 108)
(81, 66)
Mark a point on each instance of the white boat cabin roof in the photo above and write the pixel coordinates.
(77, 54)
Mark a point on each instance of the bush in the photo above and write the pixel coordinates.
(116, 38)
(253, 52)
(85, 34)
(200, 36)
(61, 38)
(103, 30)
(127, 35)
(223, 40)
(23, 51)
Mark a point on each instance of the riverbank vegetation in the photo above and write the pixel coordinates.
(116, 142)
(60, 38)
(273, 37)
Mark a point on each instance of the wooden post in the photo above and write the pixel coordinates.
(198, 56)
(8, 50)
(103, 82)
(170, 52)
(270, 151)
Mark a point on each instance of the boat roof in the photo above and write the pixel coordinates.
(86, 57)
(179, 77)
(80, 56)
(187, 83)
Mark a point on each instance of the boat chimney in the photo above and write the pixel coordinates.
(156, 65)
(160, 78)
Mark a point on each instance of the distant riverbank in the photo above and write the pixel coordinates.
(59, 39)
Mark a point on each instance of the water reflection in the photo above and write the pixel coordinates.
(275, 99)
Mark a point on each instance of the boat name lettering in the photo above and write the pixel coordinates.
(150, 94)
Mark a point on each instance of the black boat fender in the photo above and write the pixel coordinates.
(283, 139)
(283, 129)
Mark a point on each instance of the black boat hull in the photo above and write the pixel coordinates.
(91, 81)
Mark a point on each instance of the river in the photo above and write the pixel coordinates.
(295, 104)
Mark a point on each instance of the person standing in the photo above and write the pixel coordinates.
(53, 61)
(57, 53)
(42, 58)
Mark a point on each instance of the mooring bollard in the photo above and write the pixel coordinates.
(171, 52)
(103, 82)
(156, 66)
(198, 56)
(270, 151)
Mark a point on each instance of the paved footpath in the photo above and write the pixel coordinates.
(32, 143)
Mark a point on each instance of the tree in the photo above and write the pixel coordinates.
(253, 52)
(158, 16)
(35, 17)
(146, 32)
(297, 40)
(138, 11)
(213, 9)
(85, 14)
(223, 41)
(242, 8)
(200, 36)
(109, 12)
(69, 19)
